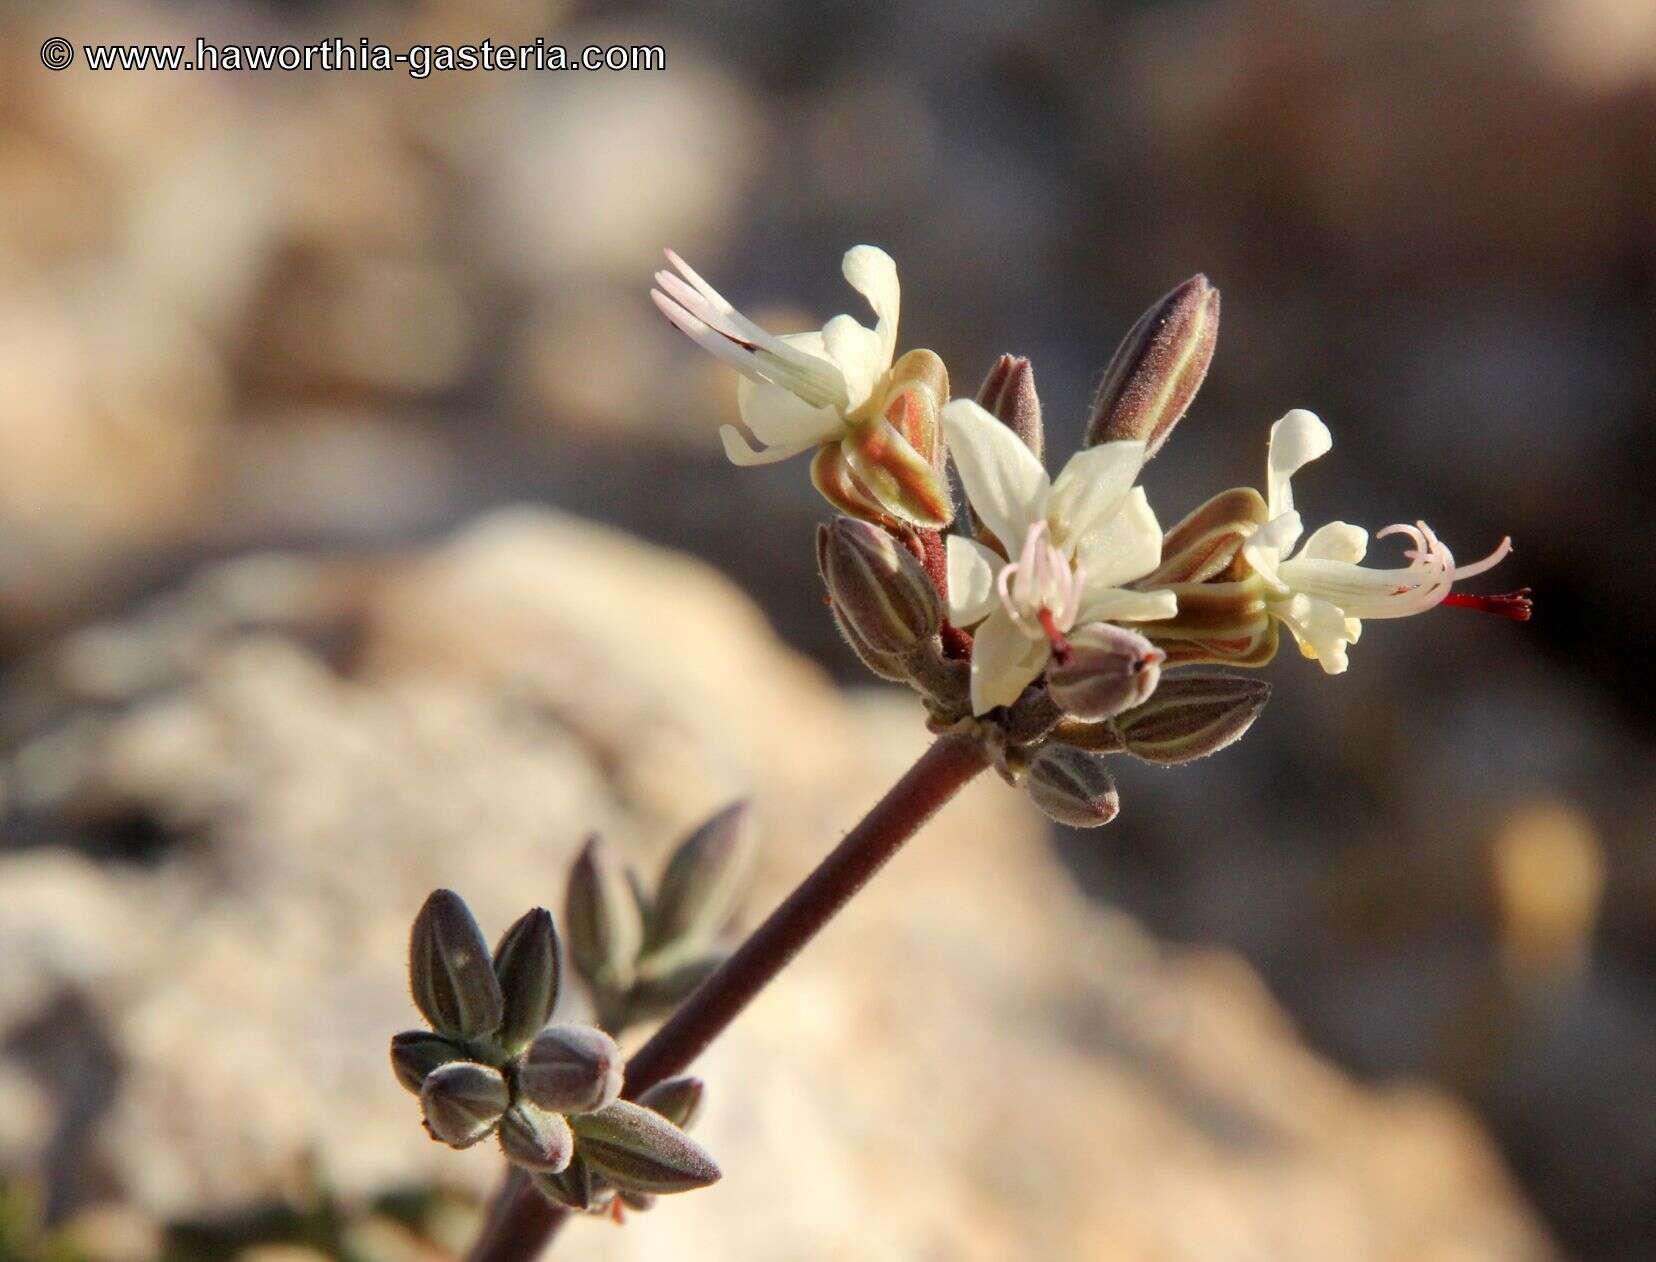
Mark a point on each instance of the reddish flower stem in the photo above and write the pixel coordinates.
(521, 1221)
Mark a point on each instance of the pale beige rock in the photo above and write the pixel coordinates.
(972, 1063)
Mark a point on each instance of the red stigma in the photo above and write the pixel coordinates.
(1060, 646)
(1514, 605)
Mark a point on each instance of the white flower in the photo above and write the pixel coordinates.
(834, 390)
(1321, 593)
(1072, 545)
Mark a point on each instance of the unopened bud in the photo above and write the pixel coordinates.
(601, 916)
(526, 965)
(536, 1139)
(638, 1150)
(415, 1053)
(1073, 787)
(450, 970)
(1008, 394)
(679, 1100)
(1193, 714)
(1206, 542)
(571, 1187)
(885, 665)
(703, 880)
(1157, 368)
(462, 1101)
(572, 1069)
(1107, 669)
(877, 587)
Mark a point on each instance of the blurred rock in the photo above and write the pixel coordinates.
(973, 1063)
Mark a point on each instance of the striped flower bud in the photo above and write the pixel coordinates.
(1073, 787)
(1105, 670)
(450, 970)
(526, 965)
(462, 1102)
(1008, 394)
(1193, 714)
(572, 1187)
(536, 1139)
(415, 1053)
(572, 1069)
(601, 916)
(877, 588)
(703, 880)
(638, 1150)
(679, 1100)
(1158, 368)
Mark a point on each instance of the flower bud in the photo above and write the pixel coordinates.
(1008, 393)
(703, 880)
(638, 1150)
(450, 970)
(1157, 368)
(415, 1053)
(572, 1069)
(526, 965)
(1108, 669)
(1073, 787)
(877, 587)
(1206, 542)
(679, 1100)
(570, 1187)
(535, 1139)
(1193, 714)
(602, 917)
(885, 665)
(462, 1101)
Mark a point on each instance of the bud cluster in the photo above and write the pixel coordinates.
(550, 1094)
(639, 954)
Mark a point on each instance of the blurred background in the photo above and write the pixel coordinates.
(271, 343)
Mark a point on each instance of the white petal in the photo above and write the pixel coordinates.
(1337, 541)
(1117, 604)
(1004, 661)
(738, 451)
(1267, 546)
(972, 570)
(1090, 488)
(1321, 628)
(1004, 481)
(1123, 548)
(777, 416)
(872, 274)
(856, 352)
(1296, 440)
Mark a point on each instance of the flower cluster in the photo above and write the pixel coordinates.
(1048, 617)
(550, 1094)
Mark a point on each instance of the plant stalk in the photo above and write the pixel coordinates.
(520, 1220)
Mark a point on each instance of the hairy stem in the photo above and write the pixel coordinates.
(521, 1221)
